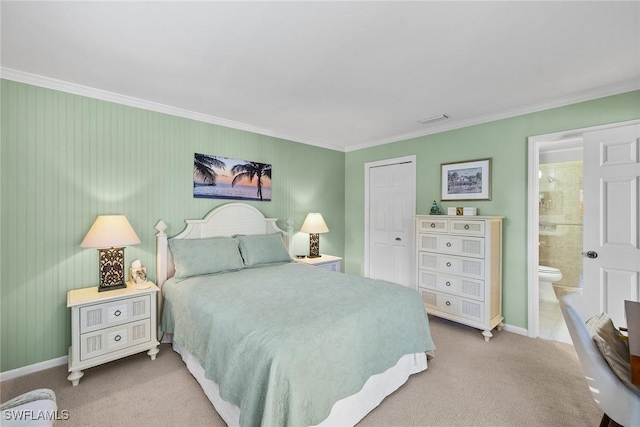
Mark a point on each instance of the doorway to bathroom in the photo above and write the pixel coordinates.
(603, 256)
(560, 205)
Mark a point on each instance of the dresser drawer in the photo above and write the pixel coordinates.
(94, 344)
(454, 245)
(462, 286)
(100, 316)
(456, 306)
(432, 225)
(449, 264)
(467, 226)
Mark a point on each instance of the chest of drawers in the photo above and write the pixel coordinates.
(459, 262)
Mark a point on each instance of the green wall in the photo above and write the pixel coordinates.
(505, 141)
(66, 159)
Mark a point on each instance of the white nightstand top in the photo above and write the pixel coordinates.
(89, 295)
(320, 260)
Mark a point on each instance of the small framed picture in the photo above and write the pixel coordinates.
(468, 180)
(138, 275)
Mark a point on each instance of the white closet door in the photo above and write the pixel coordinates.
(391, 212)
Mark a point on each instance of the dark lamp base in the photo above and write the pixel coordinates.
(314, 245)
(111, 269)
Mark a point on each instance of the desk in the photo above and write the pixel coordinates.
(632, 309)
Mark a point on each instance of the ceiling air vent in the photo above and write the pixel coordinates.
(433, 119)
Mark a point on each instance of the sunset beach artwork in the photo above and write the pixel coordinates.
(216, 177)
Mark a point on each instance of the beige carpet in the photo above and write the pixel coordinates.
(510, 381)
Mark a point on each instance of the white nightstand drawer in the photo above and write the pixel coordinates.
(100, 316)
(468, 288)
(331, 266)
(94, 344)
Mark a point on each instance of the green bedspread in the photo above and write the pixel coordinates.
(285, 342)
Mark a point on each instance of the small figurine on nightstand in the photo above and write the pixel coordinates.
(435, 210)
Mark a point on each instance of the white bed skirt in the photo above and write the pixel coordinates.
(346, 412)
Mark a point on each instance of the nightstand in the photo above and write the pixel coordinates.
(109, 325)
(328, 262)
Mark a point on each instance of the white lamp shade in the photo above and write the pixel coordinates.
(314, 224)
(110, 231)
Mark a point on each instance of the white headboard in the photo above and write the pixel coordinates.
(225, 220)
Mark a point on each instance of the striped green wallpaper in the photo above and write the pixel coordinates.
(66, 159)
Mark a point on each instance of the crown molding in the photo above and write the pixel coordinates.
(519, 111)
(103, 95)
(76, 89)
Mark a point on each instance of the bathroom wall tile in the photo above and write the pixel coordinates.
(561, 219)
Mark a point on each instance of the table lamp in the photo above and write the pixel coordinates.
(314, 224)
(110, 233)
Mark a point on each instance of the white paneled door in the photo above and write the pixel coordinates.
(390, 226)
(611, 264)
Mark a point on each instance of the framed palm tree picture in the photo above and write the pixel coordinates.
(469, 180)
(216, 177)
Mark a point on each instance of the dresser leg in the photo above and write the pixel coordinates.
(152, 353)
(74, 377)
(499, 326)
(487, 335)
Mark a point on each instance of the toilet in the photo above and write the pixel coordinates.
(547, 276)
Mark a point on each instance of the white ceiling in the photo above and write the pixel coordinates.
(342, 75)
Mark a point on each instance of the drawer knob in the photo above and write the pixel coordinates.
(448, 264)
(433, 225)
(118, 337)
(466, 226)
(448, 283)
(448, 303)
(117, 313)
(448, 244)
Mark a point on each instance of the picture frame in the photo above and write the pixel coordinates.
(217, 177)
(467, 180)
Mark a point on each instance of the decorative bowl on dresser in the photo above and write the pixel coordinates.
(106, 326)
(460, 269)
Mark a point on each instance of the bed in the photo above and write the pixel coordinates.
(273, 342)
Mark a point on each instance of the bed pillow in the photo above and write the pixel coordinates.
(612, 347)
(193, 257)
(263, 249)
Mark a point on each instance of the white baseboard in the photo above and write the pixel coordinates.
(516, 330)
(36, 367)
